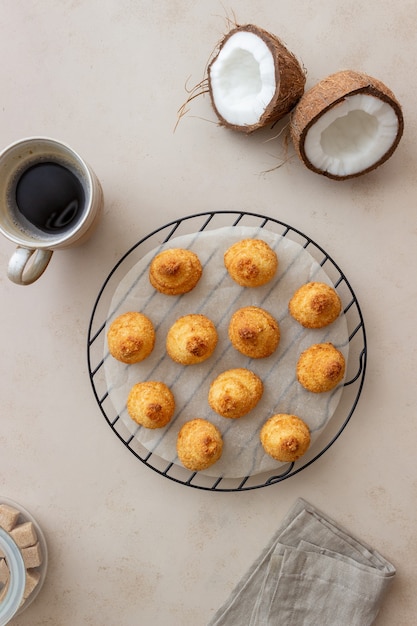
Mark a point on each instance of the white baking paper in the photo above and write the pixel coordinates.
(217, 296)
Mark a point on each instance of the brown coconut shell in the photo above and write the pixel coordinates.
(290, 80)
(328, 93)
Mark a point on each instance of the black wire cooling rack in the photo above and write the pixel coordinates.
(355, 369)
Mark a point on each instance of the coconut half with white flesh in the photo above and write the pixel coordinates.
(346, 125)
(253, 80)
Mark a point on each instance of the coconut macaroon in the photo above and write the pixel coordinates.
(346, 125)
(151, 404)
(285, 437)
(175, 271)
(254, 332)
(251, 262)
(199, 444)
(191, 339)
(235, 392)
(131, 337)
(315, 305)
(253, 80)
(320, 368)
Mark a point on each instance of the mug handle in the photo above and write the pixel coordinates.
(19, 262)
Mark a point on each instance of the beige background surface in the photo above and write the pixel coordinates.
(128, 546)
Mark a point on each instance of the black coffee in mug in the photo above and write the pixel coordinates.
(50, 196)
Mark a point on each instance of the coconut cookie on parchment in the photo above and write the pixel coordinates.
(251, 262)
(191, 339)
(235, 392)
(254, 332)
(131, 337)
(199, 444)
(175, 271)
(315, 305)
(320, 368)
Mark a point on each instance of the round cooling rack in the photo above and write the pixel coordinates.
(104, 386)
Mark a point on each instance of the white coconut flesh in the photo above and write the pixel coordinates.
(351, 136)
(243, 79)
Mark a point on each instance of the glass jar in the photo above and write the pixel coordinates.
(23, 559)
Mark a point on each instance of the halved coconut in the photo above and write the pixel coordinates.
(253, 80)
(346, 125)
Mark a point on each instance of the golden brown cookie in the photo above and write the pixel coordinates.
(320, 368)
(199, 444)
(131, 337)
(151, 404)
(254, 332)
(175, 271)
(191, 339)
(235, 392)
(285, 437)
(315, 305)
(251, 262)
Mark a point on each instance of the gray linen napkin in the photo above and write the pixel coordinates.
(311, 573)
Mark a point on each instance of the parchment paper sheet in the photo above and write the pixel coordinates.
(217, 296)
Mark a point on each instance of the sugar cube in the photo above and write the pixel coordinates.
(32, 579)
(4, 572)
(8, 517)
(24, 535)
(32, 556)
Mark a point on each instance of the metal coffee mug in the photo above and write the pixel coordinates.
(34, 245)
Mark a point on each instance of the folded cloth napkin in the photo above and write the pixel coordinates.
(312, 573)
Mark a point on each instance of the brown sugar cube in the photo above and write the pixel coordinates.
(24, 535)
(8, 517)
(4, 572)
(32, 579)
(32, 556)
